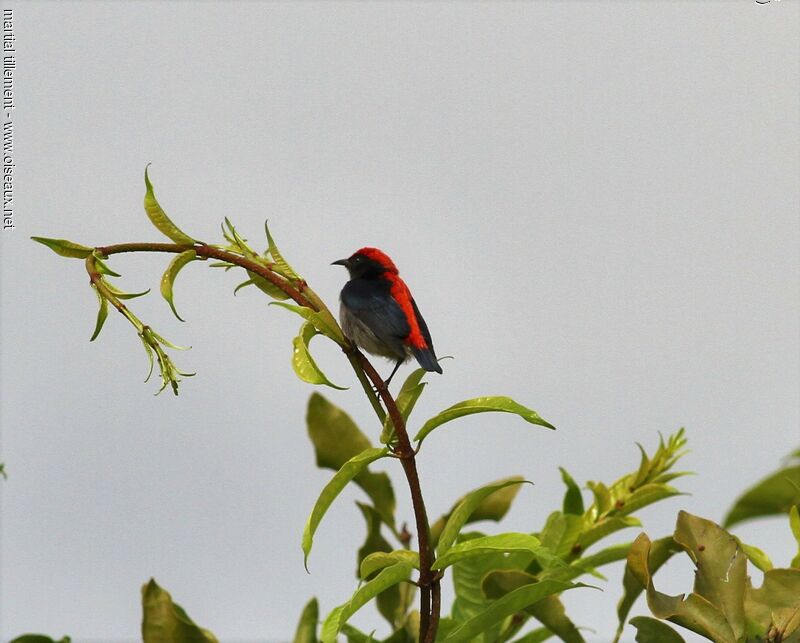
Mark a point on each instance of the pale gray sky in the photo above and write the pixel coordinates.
(595, 205)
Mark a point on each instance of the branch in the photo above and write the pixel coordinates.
(366, 373)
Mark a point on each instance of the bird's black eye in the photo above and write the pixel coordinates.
(358, 259)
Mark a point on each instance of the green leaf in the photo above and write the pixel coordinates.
(602, 497)
(587, 564)
(506, 606)
(774, 605)
(281, 265)
(304, 365)
(536, 636)
(406, 400)
(561, 532)
(379, 560)
(159, 218)
(650, 630)
(467, 578)
(65, 249)
(775, 494)
(660, 551)
(323, 322)
(604, 527)
(721, 574)
(694, 612)
(549, 611)
(794, 524)
(336, 439)
(171, 272)
(102, 314)
(166, 622)
(499, 404)
(338, 617)
(506, 543)
(348, 471)
(389, 602)
(307, 627)
(755, 556)
(489, 502)
(647, 495)
(39, 638)
(265, 286)
(573, 498)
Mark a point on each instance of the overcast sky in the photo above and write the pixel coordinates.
(595, 205)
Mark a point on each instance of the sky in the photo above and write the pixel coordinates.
(594, 204)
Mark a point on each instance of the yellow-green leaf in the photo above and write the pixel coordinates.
(159, 218)
(65, 248)
(505, 543)
(349, 470)
(102, 314)
(468, 505)
(379, 560)
(307, 627)
(497, 403)
(338, 617)
(171, 272)
(281, 265)
(166, 622)
(303, 363)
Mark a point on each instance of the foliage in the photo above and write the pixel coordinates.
(776, 494)
(503, 582)
(723, 606)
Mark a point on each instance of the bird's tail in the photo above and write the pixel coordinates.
(427, 359)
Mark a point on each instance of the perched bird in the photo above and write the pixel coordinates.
(379, 314)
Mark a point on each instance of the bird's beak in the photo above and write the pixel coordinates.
(340, 262)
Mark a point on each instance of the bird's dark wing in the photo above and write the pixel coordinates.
(372, 303)
(425, 356)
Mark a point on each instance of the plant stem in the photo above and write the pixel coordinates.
(430, 590)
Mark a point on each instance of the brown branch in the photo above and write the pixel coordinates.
(430, 591)
(210, 252)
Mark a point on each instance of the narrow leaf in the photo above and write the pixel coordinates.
(166, 622)
(775, 494)
(102, 314)
(481, 405)
(651, 630)
(324, 323)
(304, 365)
(39, 638)
(307, 627)
(267, 287)
(159, 218)
(338, 617)
(336, 439)
(549, 611)
(379, 560)
(794, 524)
(506, 606)
(281, 264)
(469, 504)
(171, 272)
(505, 543)
(349, 470)
(573, 498)
(65, 248)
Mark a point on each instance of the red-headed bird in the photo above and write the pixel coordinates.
(379, 314)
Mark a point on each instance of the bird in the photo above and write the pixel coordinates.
(378, 313)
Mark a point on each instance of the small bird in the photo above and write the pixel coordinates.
(379, 314)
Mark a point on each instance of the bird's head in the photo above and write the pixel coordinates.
(368, 263)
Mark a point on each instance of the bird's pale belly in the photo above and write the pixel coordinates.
(362, 336)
